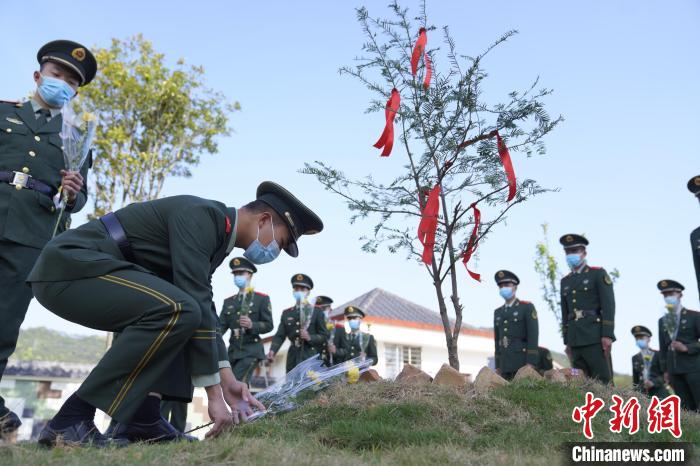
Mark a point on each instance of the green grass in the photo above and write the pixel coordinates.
(523, 423)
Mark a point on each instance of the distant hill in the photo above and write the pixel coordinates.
(43, 344)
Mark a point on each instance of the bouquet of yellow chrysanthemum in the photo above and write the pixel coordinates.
(302, 383)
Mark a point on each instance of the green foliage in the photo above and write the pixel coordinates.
(550, 275)
(388, 423)
(43, 344)
(153, 121)
(446, 133)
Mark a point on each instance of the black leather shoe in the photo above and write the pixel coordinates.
(9, 423)
(82, 434)
(159, 431)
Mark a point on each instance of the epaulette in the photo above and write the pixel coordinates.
(260, 294)
(11, 102)
(692, 311)
(522, 301)
(593, 267)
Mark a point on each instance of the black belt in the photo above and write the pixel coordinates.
(116, 231)
(22, 180)
(578, 314)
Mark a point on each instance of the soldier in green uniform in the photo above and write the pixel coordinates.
(145, 271)
(694, 187)
(647, 376)
(359, 343)
(544, 363)
(32, 169)
(679, 332)
(303, 325)
(515, 326)
(248, 315)
(335, 349)
(588, 312)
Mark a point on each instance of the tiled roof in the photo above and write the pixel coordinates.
(48, 369)
(381, 305)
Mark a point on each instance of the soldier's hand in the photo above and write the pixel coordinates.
(245, 322)
(648, 384)
(678, 346)
(606, 342)
(240, 400)
(72, 184)
(498, 371)
(667, 378)
(218, 412)
(271, 356)
(305, 335)
(331, 348)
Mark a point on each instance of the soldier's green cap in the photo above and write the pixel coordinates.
(669, 285)
(71, 55)
(354, 311)
(641, 331)
(241, 264)
(302, 280)
(572, 240)
(299, 219)
(323, 301)
(694, 185)
(506, 276)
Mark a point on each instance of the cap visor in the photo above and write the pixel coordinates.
(292, 250)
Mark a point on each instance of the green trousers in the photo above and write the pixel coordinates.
(156, 319)
(175, 412)
(16, 261)
(687, 387)
(593, 362)
(243, 368)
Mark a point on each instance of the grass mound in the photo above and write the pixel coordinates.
(388, 423)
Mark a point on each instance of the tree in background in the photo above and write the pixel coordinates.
(154, 122)
(447, 133)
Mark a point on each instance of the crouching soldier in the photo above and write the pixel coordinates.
(647, 376)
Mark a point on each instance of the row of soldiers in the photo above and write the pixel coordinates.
(588, 324)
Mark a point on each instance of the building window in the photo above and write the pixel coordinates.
(397, 355)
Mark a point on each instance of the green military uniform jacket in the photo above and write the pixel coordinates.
(655, 374)
(545, 360)
(28, 145)
(695, 245)
(361, 342)
(290, 328)
(516, 334)
(246, 343)
(338, 336)
(587, 291)
(675, 362)
(181, 239)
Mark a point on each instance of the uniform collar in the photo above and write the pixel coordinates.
(515, 302)
(36, 106)
(232, 241)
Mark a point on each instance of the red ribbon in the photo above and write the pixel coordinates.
(386, 140)
(471, 245)
(507, 166)
(428, 224)
(228, 225)
(418, 50)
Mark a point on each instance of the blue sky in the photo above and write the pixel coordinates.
(625, 78)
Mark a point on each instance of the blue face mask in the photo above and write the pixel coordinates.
(354, 324)
(55, 92)
(574, 260)
(506, 293)
(642, 344)
(672, 300)
(259, 254)
(240, 280)
(299, 295)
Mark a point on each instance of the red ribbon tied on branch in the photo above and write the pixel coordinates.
(386, 140)
(420, 49)
(471, 245)
(507, 166)
(428, 224)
